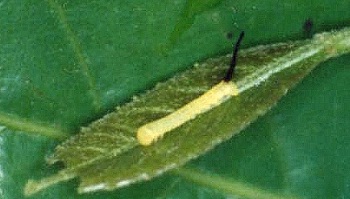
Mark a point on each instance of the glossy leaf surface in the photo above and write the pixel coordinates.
(126, 48)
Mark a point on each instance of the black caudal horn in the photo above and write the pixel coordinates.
(230, 72)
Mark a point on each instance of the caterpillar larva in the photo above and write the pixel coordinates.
(151, 132)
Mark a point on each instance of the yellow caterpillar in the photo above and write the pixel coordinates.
(151, 132)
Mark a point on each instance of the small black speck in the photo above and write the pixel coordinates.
(229, 35)
(308, 28)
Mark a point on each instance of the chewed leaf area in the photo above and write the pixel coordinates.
(106, 154)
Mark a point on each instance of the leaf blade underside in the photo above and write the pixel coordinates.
(106, 154)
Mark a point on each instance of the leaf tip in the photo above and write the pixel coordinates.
(31, 188)
(34, 186)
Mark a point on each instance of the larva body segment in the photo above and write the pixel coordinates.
(150, 132)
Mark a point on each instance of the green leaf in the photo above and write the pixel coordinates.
(43, 82)
(106, 154)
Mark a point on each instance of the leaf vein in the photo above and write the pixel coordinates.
(77, 49)
(27, 126)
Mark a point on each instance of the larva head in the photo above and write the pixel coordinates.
(145, 136)
(231, 70)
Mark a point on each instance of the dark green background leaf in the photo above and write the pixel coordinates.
(64, 64)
